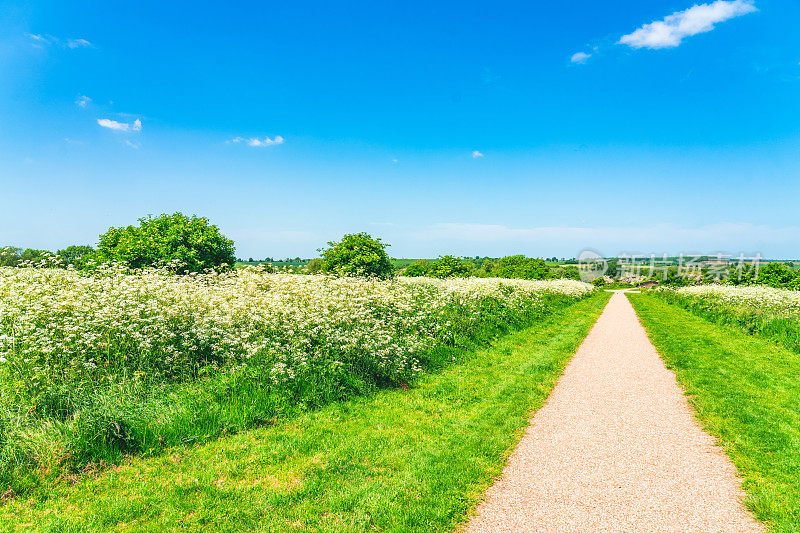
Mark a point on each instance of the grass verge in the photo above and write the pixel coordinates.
(778, 325)
(416, 460)
(746, 391)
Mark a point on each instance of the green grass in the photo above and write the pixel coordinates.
(768, 323)
(745, 391)
(415, 460)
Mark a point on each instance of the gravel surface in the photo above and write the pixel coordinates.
(616, 448)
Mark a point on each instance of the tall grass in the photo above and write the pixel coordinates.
(96, 367)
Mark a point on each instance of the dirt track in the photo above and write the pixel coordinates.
(616, 448)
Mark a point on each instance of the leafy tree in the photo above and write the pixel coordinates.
(357, 254)
(566, 273)
(448, 266)
(778, 275)
(420, 267)
(315, 266)
(519, 266)
(33, 254)
(9, 256)
(674, 278)
(612, 269)
(76, 255)
(486, 268)
(192, 241)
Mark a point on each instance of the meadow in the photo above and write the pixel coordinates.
(396, 460)
(773, 313)
(100, 365)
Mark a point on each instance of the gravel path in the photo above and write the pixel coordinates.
(615, 448)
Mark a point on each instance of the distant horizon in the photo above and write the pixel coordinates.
(512, 250)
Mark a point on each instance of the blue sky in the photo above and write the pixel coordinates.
(478, 129)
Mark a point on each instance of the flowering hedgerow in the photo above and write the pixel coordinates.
(61, 322)
(759, 309)
(97, 364)
(759, 298)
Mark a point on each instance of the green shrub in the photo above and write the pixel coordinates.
(315, 266)
(599, 282)
(357, 254)
(191, 242)
(779, 276)
(9, 256)
(420, 267)
(33, 255)
(519, 266)
(76, 256)
(568, 273)
(448, 266)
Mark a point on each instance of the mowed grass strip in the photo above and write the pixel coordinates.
(415, 460)
(746, 391)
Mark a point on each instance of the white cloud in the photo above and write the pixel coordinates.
(83, 100)
(256, 142)
(580, 57)
(113, 124)
(669, 32)
(78, 43)
(133, 144)
(476, 154)
(120, 126)
(41, 40)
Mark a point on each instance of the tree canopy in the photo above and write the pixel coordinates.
(192, 242)
(357, 254)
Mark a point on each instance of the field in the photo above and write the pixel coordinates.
(415, 460)
(96, 367)
(244, 400)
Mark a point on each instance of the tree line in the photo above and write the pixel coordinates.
(192, 244)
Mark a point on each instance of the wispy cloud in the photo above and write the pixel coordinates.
(669, 32)
(132, 144)
(580, 57)
(83, 100)
(476, 154)
(256, 142)
(136, 125)
(78, 43)
(41, 40)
